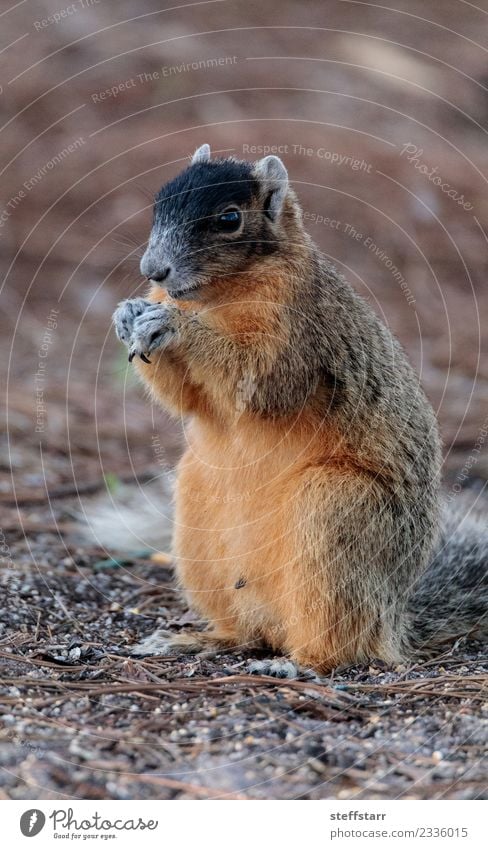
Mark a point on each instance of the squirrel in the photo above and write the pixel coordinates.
(308, 514)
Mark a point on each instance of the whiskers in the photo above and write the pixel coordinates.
(130, 243)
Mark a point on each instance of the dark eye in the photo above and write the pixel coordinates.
(229, 221)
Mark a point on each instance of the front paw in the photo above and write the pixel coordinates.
(125, 316)
(155, 328)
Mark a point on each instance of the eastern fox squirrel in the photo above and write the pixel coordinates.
(308, 498)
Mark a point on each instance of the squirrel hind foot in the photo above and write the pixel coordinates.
(158, 643)
(167, 643)
(279, 667)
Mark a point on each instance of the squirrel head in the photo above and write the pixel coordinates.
(217, 219)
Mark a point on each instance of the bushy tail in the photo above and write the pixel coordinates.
(450, 600)
(135, 518)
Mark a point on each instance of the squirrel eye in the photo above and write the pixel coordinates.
(229, 221)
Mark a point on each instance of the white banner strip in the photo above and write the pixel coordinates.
(228, 825)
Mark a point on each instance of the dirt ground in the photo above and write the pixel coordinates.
(99, 108)
(83, 720)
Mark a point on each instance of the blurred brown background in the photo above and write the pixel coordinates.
(102, 102)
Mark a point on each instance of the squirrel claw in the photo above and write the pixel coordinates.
(141, 355)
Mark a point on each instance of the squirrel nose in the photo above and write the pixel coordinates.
(162, 274)
(153, 268)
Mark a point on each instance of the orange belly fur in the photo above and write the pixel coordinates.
(236, 502)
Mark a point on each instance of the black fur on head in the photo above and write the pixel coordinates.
(213, 220)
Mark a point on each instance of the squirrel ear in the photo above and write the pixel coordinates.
(202, 154)
(274, 175)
